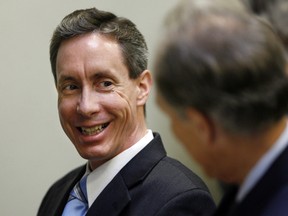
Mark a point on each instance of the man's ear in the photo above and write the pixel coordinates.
(144, 87)
(203, 125)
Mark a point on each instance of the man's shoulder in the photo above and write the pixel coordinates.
(176, 173)
(157, 166)
(173, 170)
(164, 184)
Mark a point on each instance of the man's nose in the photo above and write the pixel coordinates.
(88, 104)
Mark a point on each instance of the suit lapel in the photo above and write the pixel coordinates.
(141, 165)
(116, 196)
(112, 200)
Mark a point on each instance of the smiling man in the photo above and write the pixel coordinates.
(99, 63)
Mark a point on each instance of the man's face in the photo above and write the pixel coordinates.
(98, 104)
(182, 128)
(204, 142)
(186, 131)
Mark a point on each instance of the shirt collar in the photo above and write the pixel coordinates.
(99, 178)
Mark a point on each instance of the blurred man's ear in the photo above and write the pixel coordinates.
(203, 124)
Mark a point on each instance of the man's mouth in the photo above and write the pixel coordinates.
(93, 130)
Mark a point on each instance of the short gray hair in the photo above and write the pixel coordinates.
(228, 65)
(124, 31)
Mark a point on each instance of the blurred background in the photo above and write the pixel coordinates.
(34, 151)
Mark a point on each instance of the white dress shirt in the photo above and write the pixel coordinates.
(262, 165)
(99, 178)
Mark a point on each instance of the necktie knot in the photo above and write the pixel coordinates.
(77, 203)
(79, 191)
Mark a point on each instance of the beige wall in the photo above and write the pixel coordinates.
(34, 150)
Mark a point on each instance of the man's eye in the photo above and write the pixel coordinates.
(70, 87)
(105, 84)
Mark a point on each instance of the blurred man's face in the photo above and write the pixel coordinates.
(187, 131)
(206, 142)
(183, 129)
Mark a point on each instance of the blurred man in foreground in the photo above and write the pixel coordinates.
(223, 84)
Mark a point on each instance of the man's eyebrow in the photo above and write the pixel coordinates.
(64, 78)
(103, 74)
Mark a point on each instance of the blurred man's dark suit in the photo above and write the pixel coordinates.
(268, 198)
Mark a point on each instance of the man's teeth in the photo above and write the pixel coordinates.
(93, 130)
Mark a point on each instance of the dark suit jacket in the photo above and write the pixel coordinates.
(150, 184)
(268, 198)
